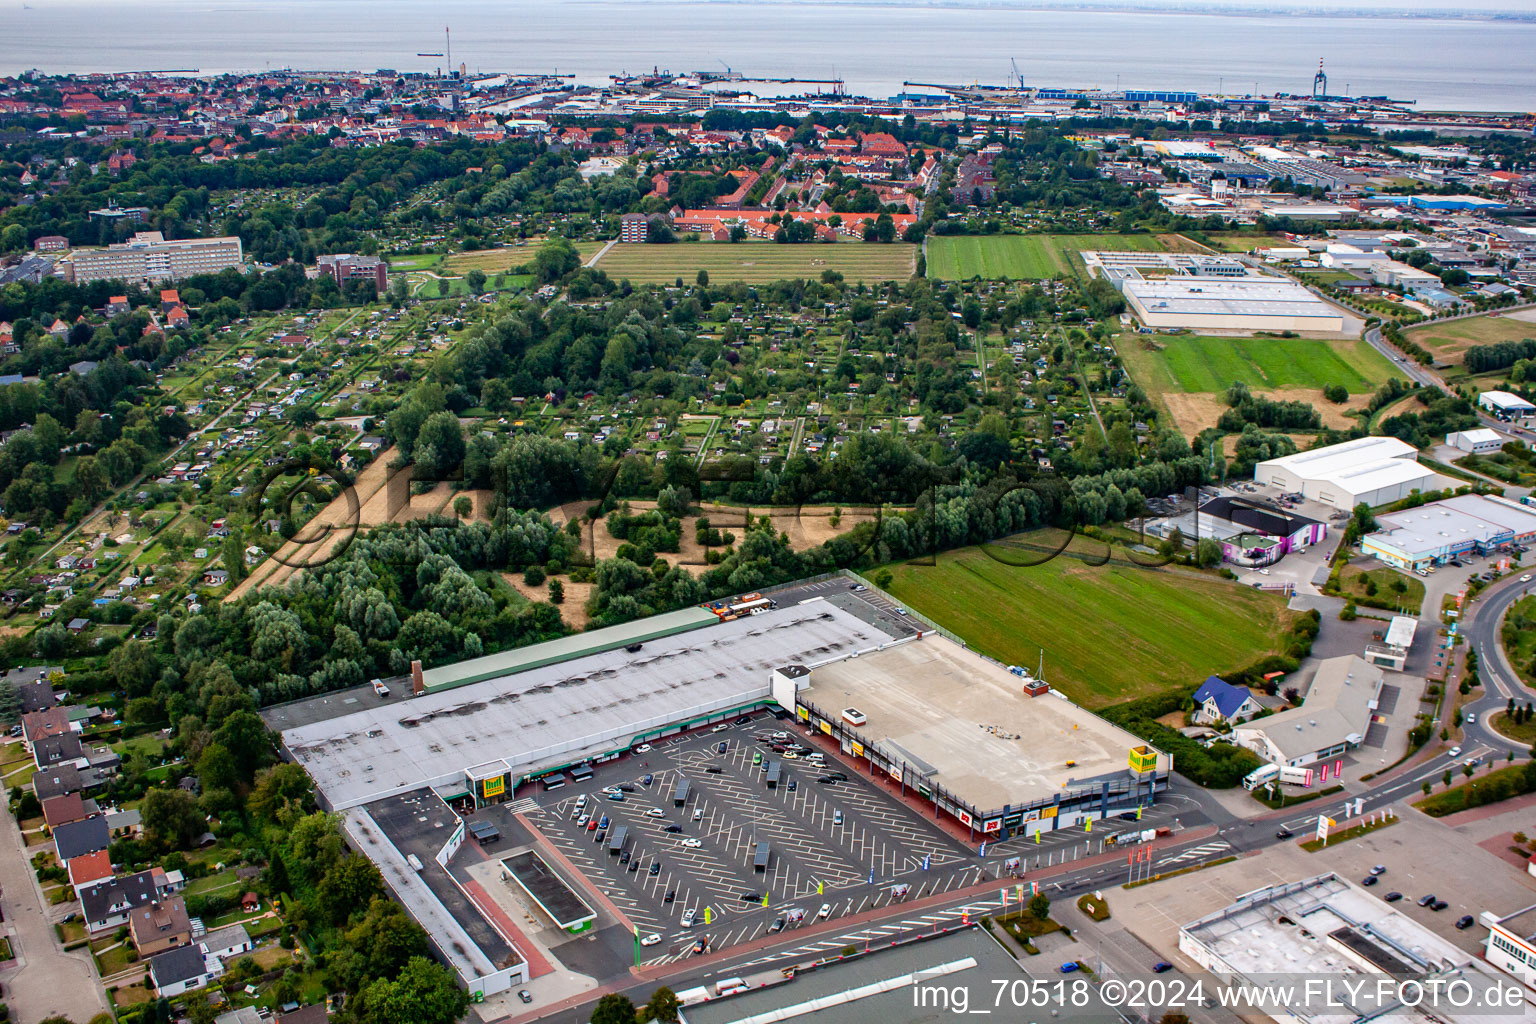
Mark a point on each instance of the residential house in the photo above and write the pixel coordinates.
(314, 1013)
(90, 869)
(61, 810)
(53, 750)
(160, 925)
(224, 943)
(181, 970)
(1219, 701)
(78, 838)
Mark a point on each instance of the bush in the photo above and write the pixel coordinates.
(534, 575)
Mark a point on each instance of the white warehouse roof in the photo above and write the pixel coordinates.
(1337, 458)
(1504, 400)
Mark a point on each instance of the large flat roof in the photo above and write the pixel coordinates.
(539, 880)
(1337, 458)
(1296, 929)
(1241, 296)
(565, 648)
(968, 718)
(562, 712)
(1430, 528)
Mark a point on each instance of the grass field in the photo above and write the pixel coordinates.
(1022, 257)
(1195, 363)
(1449, 340)
(1240, 241)
(758, 262)
(1101, 644)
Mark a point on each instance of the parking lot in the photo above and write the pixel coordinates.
(828, 841)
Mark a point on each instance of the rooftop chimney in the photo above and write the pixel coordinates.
(418, 683)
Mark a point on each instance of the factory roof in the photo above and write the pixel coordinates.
(946, 710)
(559, 713)
(1505, 400)
(1243, 296)
(1451, 522)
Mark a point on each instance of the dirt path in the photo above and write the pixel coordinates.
(368, 506)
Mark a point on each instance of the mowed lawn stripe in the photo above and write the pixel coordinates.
(1109, 633)
(1022, 257)
(1206, 364)
(757, 262)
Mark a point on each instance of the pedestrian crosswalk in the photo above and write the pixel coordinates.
(1195, 853)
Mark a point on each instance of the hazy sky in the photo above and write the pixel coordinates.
(1527, 6)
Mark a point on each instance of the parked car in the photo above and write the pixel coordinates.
(655, 812)
(655, 867)
(693, 844)
(1162, 966)
(744, 720)
(1379, 869)
(714, 771)
(1393, 897)
(601, 835)
(837, 817)
(698, 814)
(1464, 922)
(1427, 900)
(524, 995)
(670, 896)
(825, 911)
(616, 796)
(720, 728)
(1068, 967)
(644, 748)
(793, 785)
(673, 828)
(651, 940)
(1438, 905)
(777, 926)
(702, 945)
(1368, 880)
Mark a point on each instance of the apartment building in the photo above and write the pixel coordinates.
(148, 257)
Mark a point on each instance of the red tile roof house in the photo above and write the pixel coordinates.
(90, 869)
(169, 300)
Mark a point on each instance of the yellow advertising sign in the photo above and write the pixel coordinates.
(1143, 759)
(494, 787)
(826, 727)
(858, 749)
(1049, 812)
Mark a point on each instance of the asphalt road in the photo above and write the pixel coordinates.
(1500, 682)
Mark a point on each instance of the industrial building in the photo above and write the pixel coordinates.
(399, 756)
(1197, 292)
(1505, 406)
(1512, 944)
(1432, 534)
(1368, 470)
(148, 257)
(1241, 304)
(1327, 926)
(1479, 442)
(965, 732)
(1251, 533)
(1332, 718)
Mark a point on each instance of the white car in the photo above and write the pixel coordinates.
(1526, 578)
(692, 844)
(720, 728)
(644, 748)
(825, 911)
(651, 940)
(655, 812)
(790, 755)
(688, 916)
(698, 814)
(1455, 751)
(611, 789)
(1470, 719)
(1263, 572)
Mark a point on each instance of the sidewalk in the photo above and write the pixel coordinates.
(45, 980)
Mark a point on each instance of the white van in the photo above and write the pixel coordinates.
(688, 916)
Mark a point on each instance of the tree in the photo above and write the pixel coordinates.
(674, 501)
(702, 278)
(1039, 906)
(663, 1005)
(423, 993)
(439, 448)
(613, 1009)
(387, 937)
(556, 592)
(1207, 553)
(463, 506)
(1336, 393)
(475, 278)
(171, 818)
(233, 556)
